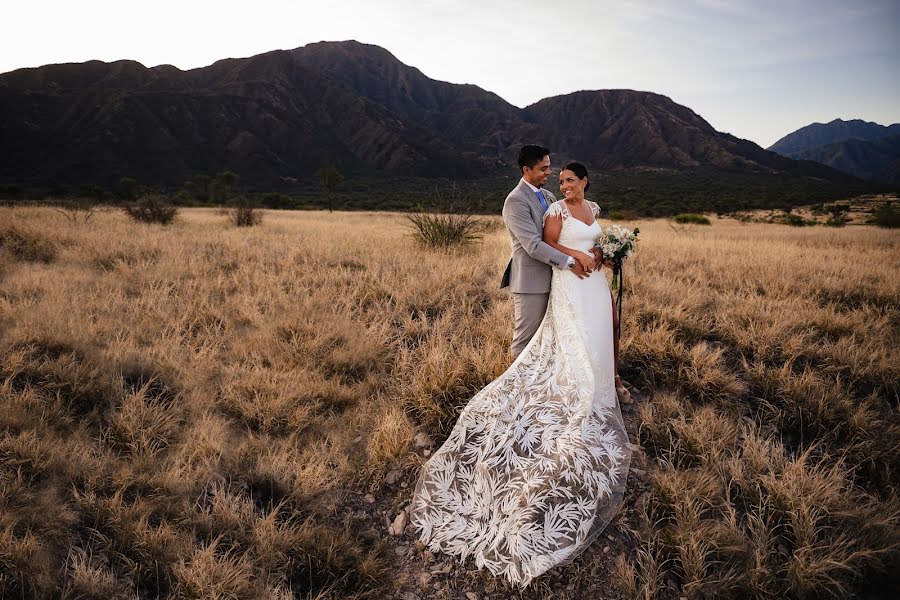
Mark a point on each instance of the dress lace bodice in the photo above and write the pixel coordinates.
(575, 234)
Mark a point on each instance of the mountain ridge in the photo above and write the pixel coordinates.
(285, 113)
(836, 130)
(872, 160)
(857, 147)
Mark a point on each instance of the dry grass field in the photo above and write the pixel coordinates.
(205, 411)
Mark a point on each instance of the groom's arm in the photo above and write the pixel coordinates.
(518, 219)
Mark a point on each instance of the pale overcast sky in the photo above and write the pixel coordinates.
(757, 70)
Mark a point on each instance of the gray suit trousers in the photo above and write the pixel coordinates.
(529, 312)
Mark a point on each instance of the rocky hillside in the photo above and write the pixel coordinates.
(875, 160)
(283, 114)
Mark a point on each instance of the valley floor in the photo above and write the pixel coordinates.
(201, 410)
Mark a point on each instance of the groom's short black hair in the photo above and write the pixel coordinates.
(531, 155)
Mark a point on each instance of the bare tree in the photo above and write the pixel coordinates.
(77, 210)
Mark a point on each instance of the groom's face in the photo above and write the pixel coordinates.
(538, 175)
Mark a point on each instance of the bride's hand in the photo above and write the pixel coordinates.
(586, 260)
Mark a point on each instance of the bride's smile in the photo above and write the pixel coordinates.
(571, 186)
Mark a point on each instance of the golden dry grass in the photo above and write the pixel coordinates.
(194, 411)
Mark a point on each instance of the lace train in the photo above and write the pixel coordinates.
(535, 466)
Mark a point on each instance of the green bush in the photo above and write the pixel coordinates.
(697, 219)
(623, 215)
(795, 220)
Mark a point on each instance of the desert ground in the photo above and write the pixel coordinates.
(205, 411)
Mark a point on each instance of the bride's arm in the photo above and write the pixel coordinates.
(552, 228)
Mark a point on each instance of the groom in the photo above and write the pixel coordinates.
(531, 266)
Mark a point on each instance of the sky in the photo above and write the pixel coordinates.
(758, 70)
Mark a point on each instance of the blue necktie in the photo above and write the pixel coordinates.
(540, 195)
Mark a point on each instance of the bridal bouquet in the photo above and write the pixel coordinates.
(617, 243)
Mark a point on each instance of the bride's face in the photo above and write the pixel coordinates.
(570, 185)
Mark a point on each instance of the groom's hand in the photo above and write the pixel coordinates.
(579, 270)
(598, 258)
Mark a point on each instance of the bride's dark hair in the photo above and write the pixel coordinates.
(580, 171)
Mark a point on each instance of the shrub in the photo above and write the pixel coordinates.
(152, 208)
(436, 230)
(795, 220)
(244, 214)
(692, 218)
(886, 216)
(444, 224)
(25, 245)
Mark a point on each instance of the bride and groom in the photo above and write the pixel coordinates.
(536, 463)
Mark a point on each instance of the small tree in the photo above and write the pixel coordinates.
(198, 186)
(77, 210)
(223, 186)
(127, 188)
(838, 214)
(330, 178)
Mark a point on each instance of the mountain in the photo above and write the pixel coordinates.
(820, 134)
(282, 115)
(615, 129)
(875, 160)
(264, 117)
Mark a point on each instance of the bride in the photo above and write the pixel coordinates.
(536, 463)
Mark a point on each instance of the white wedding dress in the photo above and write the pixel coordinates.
(535, 466)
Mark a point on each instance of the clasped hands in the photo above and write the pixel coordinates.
(587, 262)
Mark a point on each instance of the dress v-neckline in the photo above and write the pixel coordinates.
(582, 222)
(571, 216)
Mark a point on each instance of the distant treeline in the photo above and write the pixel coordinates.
(646, 192)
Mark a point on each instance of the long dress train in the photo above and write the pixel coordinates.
(535, 466)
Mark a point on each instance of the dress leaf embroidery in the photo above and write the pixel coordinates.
(536, 463)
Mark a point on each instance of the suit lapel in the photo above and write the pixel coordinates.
(535, 201)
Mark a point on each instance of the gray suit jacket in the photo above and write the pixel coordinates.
(530, 268)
